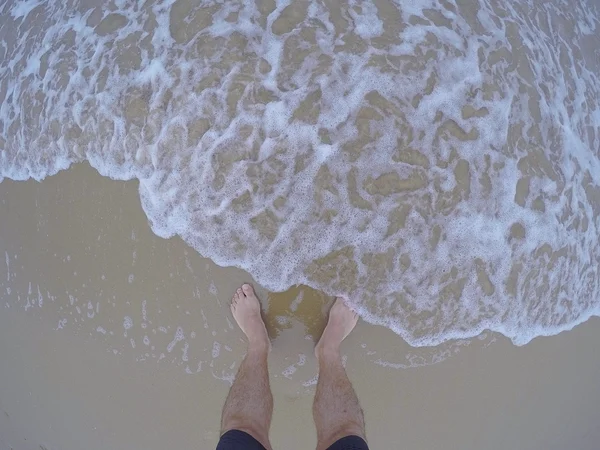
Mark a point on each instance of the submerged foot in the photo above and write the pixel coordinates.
(342, 321)
(245, 308)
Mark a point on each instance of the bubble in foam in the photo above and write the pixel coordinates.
(216, 350)
(184, 356)
(179, 336)
(127, 322)
(289, 371)
(282, 320)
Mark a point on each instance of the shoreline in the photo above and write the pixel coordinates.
(86, 250)
(85, 169)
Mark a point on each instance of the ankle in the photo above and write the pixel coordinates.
(259, 346)
(327, 352)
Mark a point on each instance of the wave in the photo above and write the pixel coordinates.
(434, 162)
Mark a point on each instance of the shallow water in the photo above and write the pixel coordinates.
(79, 258)
(434, 162)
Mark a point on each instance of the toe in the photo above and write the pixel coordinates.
(248, 290)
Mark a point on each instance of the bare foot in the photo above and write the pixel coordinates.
(245, 308)
(342, 321)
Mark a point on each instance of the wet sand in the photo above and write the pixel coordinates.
(111, 337)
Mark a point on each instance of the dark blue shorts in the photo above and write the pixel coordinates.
(240, 440)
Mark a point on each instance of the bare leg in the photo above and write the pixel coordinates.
(249, 405)
(336, 410)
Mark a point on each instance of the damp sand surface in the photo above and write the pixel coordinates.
(111, 337)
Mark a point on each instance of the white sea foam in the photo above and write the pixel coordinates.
(127, 322)
(216, 350)
(434, 162)
(179, 336)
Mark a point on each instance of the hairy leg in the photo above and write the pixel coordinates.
(249, 405)
(336, 410)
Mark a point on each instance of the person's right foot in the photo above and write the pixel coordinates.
(245, 308)
(341, 322)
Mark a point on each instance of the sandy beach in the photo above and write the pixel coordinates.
(435, 163)
(91, 356)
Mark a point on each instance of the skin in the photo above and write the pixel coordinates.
(336, 410)
(249, 405)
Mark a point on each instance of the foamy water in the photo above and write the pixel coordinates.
(434, 162)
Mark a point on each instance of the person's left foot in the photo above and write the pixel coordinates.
(245, 308)
(341, 322)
